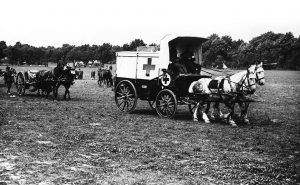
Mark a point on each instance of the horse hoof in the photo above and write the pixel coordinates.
(195, 119)
(246, 121)
(206, 121)
(232, 123)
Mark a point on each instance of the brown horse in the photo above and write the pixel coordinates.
(105, 77)
(48, 81)
(45, 82)
(66, 79)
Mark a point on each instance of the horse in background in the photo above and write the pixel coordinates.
(228, 90)
(48, 80)
(45, 82)
(66, 79)
(105, 77)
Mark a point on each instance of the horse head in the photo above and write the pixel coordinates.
(247, 81)
(250, 79)
(260, 74)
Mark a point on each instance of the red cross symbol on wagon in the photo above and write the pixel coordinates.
(148, 67)
(166, 80)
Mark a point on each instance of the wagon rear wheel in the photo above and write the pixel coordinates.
(126, 96)
(21, 84)
(166, 103)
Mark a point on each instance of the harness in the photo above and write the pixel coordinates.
(258, 79)
(216, 85)
(243, 87)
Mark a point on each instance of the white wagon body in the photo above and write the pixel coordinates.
(138, 65)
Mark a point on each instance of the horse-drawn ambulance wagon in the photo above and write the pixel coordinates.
(159, 77)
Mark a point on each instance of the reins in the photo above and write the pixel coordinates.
(247, 87)
(213, 70)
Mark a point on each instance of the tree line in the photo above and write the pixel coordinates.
(270, 48)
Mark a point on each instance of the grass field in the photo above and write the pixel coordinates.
(87, 140)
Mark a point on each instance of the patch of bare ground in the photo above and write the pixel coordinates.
(88, 141)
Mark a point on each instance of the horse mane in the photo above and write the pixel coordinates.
(235, 78)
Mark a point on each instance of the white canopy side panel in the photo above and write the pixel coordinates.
(126, 67)
(164, 51)
(147, 68)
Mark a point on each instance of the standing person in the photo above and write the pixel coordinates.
(8, 78)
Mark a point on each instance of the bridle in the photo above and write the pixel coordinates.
(257, 73)
(246, 87)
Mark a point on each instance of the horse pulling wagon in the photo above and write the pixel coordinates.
(46, 81)
(157, 76)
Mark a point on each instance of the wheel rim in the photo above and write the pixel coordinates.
(166, 104)
(126, 96)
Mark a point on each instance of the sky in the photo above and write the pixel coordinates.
(78, 22)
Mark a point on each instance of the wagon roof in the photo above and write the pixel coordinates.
(175, 39)
(182, 39)
(170, 39)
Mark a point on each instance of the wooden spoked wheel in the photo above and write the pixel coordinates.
(126, 96)
(166, 103)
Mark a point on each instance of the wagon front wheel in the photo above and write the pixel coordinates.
(21, 85)
(126, 96)
(166, 103)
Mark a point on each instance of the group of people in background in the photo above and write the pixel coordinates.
(8, 75)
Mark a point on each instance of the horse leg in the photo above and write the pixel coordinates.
(230, 105)
(244, 109)
(207, 108)
(207, 111)
(69, 94)
(66, 92)
(205, 117)
(55, 91)
(195, 116)
(218, 111)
